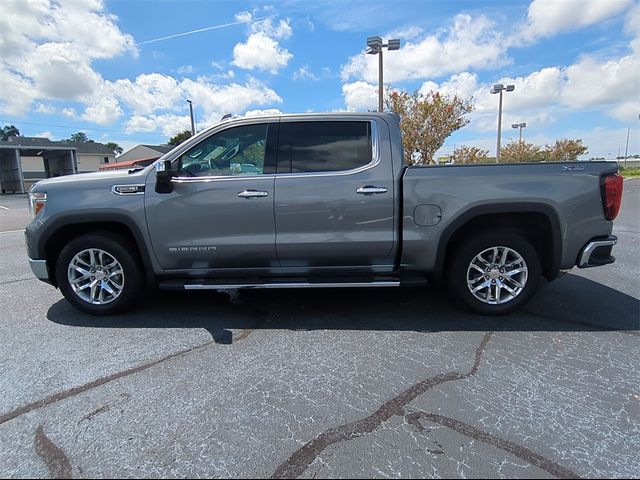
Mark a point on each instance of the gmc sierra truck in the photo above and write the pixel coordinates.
(318, 200)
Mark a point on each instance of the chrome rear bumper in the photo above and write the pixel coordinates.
(39, 269)
(597, 252)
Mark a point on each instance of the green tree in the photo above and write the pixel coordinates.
(564, 150)
(79, 137)
(179, 138)
(426, 121)
(465, 154)
(114, 147)
(518, 152)
(8, 131)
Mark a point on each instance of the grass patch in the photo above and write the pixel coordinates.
(630, 171)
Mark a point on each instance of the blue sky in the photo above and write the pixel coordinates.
(104, 67)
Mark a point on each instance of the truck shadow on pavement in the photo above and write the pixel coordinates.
(571, 303)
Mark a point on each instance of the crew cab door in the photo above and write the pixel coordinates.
(335, 196)
(220, 212)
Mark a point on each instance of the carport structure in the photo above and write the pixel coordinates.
(58, 160)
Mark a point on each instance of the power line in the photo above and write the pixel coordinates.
(74, 127)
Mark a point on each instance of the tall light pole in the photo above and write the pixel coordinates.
(499, 88)
(520, 125)
(375, 46)
(193, 125)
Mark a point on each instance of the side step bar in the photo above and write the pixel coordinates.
(232, 286)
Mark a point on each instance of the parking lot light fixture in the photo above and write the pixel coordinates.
(499, 88)
(520, 125)
(374, 47)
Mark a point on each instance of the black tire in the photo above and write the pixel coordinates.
(460, 268)
(120, 249)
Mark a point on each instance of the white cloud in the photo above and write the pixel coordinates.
(102, 109)
(590, 82)
(542, 96)
(210, 100)
(626, 111)
(184, 70)
(69, 112)
(46, 109)
(281, 30)
(632, 20)
(411, 32)
(261, 52)
(168, 124)
(471, 42)
(360, 96)
(303, 73)
(47, 49)
(148, 93)
(232, 98)
(550, 17)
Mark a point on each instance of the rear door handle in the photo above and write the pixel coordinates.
(371, 190)
(253, 193)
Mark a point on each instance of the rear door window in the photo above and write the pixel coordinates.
(329, 146)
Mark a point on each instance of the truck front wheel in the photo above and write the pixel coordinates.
(495, 272)
(98, 273)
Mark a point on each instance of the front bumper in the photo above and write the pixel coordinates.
(597, 252)
(39, 269)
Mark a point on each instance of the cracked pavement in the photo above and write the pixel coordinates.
(331, 383)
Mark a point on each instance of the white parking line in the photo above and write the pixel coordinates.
(13, 231)
(4, 208)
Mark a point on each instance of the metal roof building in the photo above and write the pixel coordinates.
(59, 158)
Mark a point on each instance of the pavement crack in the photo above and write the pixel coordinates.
(299, 461)
(54, 458)
(18, 280)
(96, 383)
(519, 451)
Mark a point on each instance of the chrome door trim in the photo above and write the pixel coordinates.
(219, 177)
(375, 160)
(291, 285)
(375, 157)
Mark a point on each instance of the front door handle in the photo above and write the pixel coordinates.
(253, 193)
(371, 190)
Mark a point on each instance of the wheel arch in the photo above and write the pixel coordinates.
(537, 222)
(64, 230)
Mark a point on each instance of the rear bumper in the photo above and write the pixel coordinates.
(39, 269)
(597, 252)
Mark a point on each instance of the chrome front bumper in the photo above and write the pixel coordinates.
(39, 269)
(597, 252)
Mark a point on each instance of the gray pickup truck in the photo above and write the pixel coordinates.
(319, 200)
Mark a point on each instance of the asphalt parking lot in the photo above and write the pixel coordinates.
(331, 383)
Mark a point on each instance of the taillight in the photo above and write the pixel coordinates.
(612, 195)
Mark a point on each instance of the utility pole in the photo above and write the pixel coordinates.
(499, 88)
(626, 148)
(193, 125)
(374, 47)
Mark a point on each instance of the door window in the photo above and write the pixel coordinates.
(235, 151)
(329, 146)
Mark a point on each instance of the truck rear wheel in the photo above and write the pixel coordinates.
(495, 272)
(98, 273)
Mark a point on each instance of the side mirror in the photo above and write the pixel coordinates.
(163, 177)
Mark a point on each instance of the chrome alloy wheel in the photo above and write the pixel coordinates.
(497, 275)
(96, 276)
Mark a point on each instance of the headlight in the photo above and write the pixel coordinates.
(36, 202)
